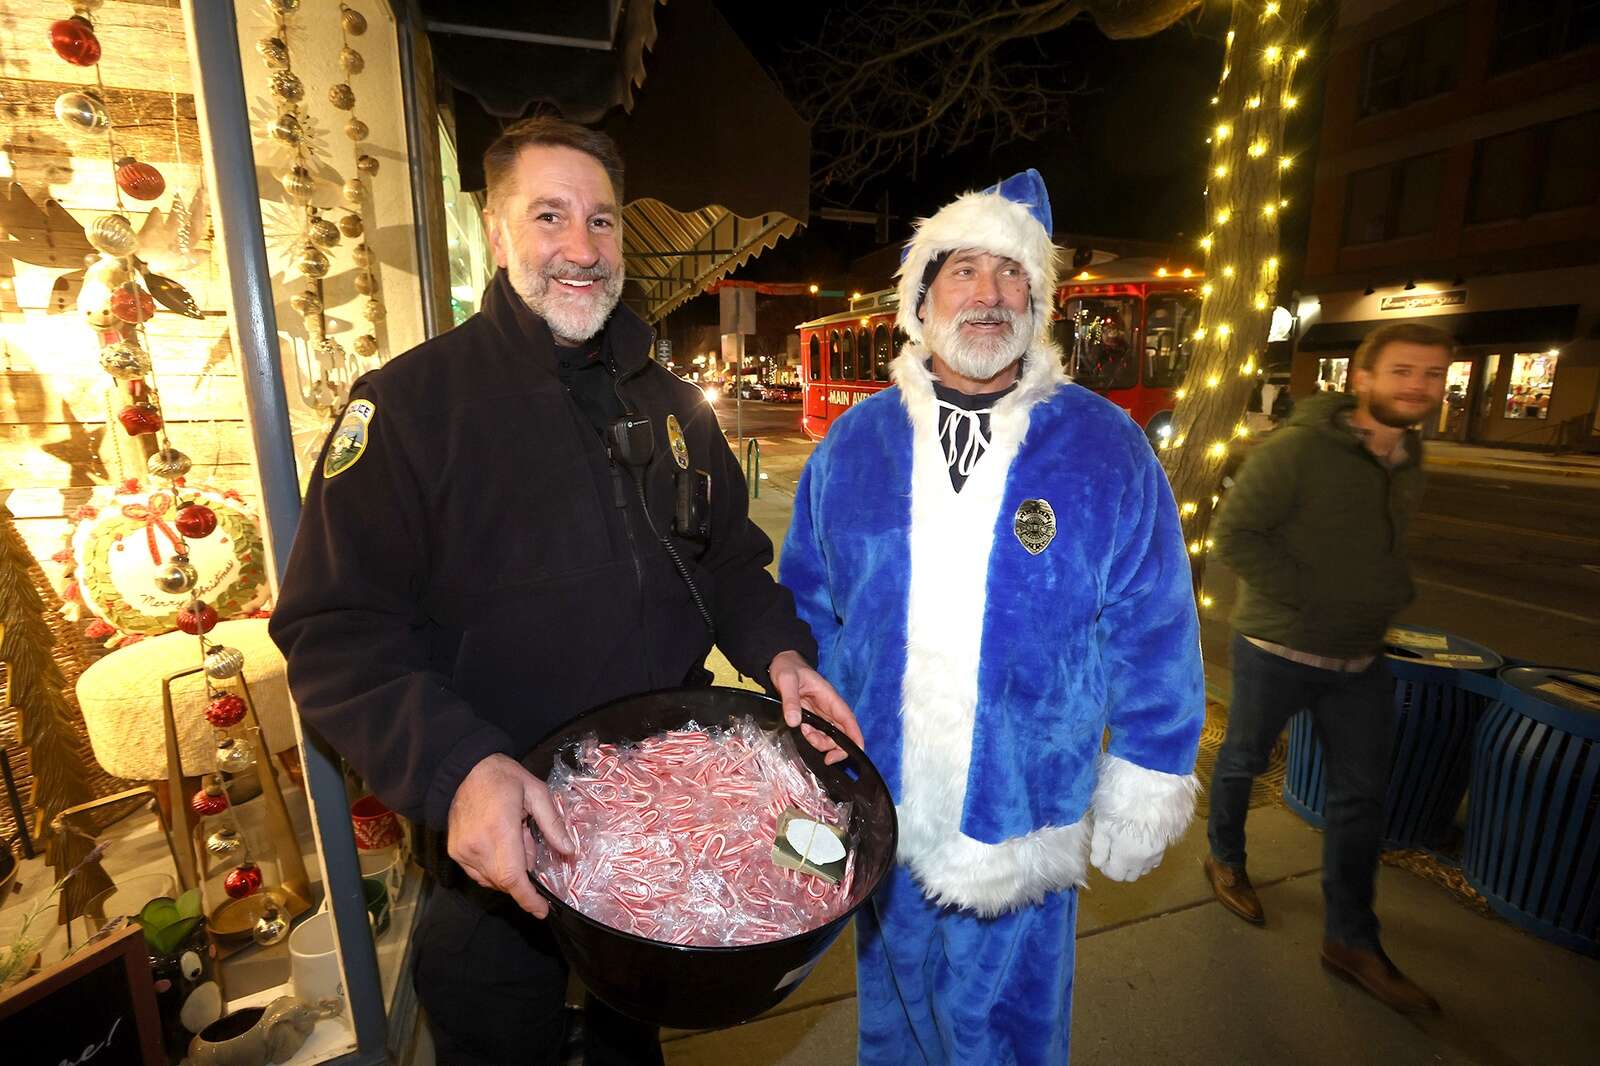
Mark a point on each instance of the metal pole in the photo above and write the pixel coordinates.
(223, 111)
(424, 187)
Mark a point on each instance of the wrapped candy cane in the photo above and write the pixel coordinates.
(675, 837)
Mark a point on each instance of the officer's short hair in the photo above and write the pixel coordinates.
(1373, 344)
(500, 159)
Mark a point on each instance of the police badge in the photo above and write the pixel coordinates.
(680, 447)
(350, 439)
(1035, 525)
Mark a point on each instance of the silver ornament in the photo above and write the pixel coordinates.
(354, 22)
(323, 234)
(375, 311)
(285, 129)
(125, 361)
(356, 130)
(272, 926)
(83, 7)
(312, 262)
(177, 576)
(350, 226)
(234, 755)
(362, 255)
(82, 112)
(306, 302)
(167, 464)
(367, 164)
(224, 842)
(287, 86)
(274, 52)
(297, 184)
(342, 96)
(354, 192)
(224, 663)
(113, 235)
(365, 283)
(365, 345)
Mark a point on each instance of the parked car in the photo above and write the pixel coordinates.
(751, 391)
(783, 393)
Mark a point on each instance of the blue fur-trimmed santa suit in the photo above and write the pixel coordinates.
(984, 677)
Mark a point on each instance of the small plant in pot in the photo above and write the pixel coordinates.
(181, 962)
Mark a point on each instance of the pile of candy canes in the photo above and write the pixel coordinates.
(675, 837)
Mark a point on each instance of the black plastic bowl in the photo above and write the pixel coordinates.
(708, 987)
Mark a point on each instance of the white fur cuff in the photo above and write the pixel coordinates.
(1155, 806)
(991, 879)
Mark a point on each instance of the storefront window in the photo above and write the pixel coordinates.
(1100, 332)
(1169, 324)
(1533, 377)
(1451, 419)
(471, 265)
(1333, 374)
(1491, 382)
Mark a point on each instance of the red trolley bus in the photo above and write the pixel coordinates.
(1126, 330)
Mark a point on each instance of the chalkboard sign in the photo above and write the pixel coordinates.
(95, 1008)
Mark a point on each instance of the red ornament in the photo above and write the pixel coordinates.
(140, 180)
(74, 40)
(197, 618)
(132, 304)
(140, 418)
(196, 521)
(209, 801)
(242, 880)
(225, 710)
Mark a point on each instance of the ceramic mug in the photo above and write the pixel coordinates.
(386, 864)
(378, 904)
(313, 963)
(376, 826)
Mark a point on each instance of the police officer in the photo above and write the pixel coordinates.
(515, 521)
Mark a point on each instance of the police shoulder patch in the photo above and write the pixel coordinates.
(349, 439)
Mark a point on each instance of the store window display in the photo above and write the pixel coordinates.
(1533, 379)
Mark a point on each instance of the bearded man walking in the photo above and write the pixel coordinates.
(991, 562)
(1314, 526)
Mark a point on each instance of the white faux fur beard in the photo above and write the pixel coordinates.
(978, 358)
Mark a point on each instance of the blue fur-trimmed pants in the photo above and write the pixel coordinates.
(936, 986)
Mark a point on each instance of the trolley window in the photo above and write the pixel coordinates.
(849, 371)
(814, 363)
(1099, 330)
(882, 353)
(834, 356)
(863, 354)
(1170, 319)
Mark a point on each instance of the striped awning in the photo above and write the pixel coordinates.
(673, 256)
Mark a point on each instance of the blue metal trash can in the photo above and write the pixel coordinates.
(1442, 683)
(1533, 826)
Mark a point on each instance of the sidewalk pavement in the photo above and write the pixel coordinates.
(1164, 974)
(1473, 458)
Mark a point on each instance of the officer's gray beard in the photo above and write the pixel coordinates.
(978, 358)
(572, 318)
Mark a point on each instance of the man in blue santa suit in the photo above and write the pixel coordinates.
(992, 564)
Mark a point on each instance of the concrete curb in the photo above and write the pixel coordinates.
(1514, 468)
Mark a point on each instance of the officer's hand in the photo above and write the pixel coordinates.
(800, 686)
(489, 834)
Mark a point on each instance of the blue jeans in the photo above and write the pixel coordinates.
(1353, 715)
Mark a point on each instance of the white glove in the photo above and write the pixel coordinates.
(1123, 851)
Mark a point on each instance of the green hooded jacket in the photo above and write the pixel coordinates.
(1314, 526)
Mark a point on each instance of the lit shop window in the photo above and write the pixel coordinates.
(1533, 377)
(1332, 374)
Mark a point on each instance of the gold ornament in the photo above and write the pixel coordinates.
(354, 192)
(312, 263)
(224, 842)
(351, 60)
(323, 234)
(167, 464)
(355, 23)
(375, 311)
(286, 86)
(177, 576)
(223, 663)
(361, 254)
(356, 130)
(307, 302)
(83, 7)
(285, 6)
(274, 52)
(285, 129)
(342, 96)
(234, 755)
(365, 345)
(350, 226)
(330, 354)
(298, 184)
(125, 361)
(367, 165)
(113, 235)
(365, 283)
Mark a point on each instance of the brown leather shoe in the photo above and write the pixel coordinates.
(1373, 971)
(1234, 891)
